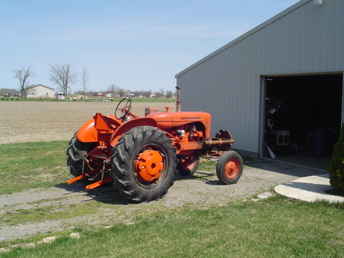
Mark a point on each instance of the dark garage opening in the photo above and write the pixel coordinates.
(302, 118)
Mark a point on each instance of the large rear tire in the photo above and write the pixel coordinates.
(229, 167)
(144, 164)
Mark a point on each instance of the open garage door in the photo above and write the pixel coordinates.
(302, 118)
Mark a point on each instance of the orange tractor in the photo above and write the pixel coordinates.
(140, 156)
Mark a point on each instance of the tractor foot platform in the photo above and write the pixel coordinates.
(75, 179)
(99, 183)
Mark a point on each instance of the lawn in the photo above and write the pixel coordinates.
(276, 227)
(31, 165)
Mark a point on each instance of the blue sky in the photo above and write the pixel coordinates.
(137, 44)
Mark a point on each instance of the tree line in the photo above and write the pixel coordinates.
(64, 77)
(116, 91)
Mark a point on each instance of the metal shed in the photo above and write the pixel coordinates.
(306, 39)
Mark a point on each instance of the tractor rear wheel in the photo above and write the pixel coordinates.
(229, 167)
(144, 164)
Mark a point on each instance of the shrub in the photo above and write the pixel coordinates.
(337, 164)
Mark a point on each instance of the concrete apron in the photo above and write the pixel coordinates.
(309, 189)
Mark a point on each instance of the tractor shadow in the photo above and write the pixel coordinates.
(206, 177)
(260, 169)
(110, 195)
(105, 194)
(281, 168)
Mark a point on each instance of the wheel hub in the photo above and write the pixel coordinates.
(232, 169)
(149, 165)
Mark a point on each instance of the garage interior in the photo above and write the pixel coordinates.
(302, 118)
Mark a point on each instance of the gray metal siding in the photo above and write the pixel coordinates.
(308, 40)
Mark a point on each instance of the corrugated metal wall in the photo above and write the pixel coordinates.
(310, 39)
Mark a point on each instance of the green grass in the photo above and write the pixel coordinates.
(272, 228)
(208, 165)
(31, 165)
(49, 213)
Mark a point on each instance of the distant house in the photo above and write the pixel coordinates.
(9, 93)
(40, 91)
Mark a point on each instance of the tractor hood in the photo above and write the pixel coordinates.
(167, 120)
(109, 125)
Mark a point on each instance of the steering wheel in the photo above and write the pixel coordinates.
(123, 108)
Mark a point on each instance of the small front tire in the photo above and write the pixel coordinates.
(74, 164)
(229, 167)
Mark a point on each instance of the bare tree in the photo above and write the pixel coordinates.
(123, 93)
(23, 75)
(160, 93)
(114, 89)
(169, 94)
(63, 77)
(84, 78)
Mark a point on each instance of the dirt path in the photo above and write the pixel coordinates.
(49, 121)
(201, 191)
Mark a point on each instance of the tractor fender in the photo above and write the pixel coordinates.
(129, 125)
(88, 132)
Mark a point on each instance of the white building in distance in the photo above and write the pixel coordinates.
(40, 91)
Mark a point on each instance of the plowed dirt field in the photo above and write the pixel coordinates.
(48, 121)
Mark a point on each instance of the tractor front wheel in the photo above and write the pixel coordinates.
(229, 167)
(144, 164)
(75, 164)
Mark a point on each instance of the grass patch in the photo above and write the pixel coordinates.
(31, 165)
(49, 213)
(208, 165)
(37, 238)
(272, 228)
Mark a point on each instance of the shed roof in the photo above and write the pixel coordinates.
(236, 41)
